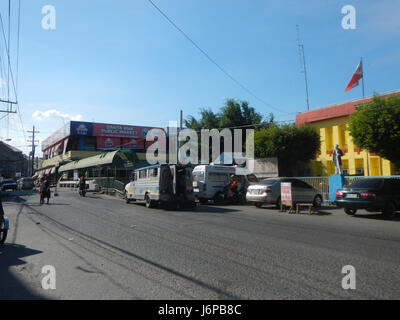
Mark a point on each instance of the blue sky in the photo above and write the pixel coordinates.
(121, 62)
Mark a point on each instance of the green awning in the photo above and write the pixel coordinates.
(118, 158)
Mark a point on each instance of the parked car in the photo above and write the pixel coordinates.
(8, 184)
(371, 194)
(268, 191)
(209, 181)
(25, 184)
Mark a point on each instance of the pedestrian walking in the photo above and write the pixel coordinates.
(44, 190)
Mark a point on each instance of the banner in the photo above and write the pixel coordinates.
(132, 143)
(81, 128)
(122, 131)
(286, 194)
(108, 143)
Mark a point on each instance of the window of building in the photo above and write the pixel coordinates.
(343, 136)
(329, 138)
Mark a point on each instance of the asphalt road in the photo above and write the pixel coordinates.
(103, 248)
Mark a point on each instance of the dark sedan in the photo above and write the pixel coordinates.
(371, 194)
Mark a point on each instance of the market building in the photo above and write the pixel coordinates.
(79, 140)
(332, 124)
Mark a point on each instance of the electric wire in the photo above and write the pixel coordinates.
(211, 59)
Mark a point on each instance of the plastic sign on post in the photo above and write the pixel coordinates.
(286, 194)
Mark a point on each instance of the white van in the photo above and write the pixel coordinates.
(209, 181)
(161, 184)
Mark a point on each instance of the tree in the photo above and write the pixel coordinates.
(376, 127)
(293, 146)
(237, 114)
(232, 114)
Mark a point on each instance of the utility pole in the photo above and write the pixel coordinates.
(33, 148)
(181, 120)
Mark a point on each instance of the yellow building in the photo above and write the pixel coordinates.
(332, 124)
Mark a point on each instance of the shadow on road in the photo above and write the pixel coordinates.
(94, 197)
(44, 205)
(215, 209)
(376, 216)
(199, 208)
(10, 287)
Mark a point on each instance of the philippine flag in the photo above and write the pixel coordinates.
(357, 75)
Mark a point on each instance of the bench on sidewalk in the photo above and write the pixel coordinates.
(299, 206)
(283, 208)
(311, 208)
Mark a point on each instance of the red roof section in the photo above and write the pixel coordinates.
(335, 111)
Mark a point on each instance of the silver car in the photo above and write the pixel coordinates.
(268, 191)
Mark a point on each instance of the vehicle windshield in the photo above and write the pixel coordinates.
(198, 176)
(252, 178)
(367, 184)
(268, 182)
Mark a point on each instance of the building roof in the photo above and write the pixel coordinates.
(9, 153)
(335, 111)
(118, 157)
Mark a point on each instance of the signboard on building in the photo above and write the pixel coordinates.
(108, 136)
(121, 131)
(286, 194)
(79, 128)
(108, 143)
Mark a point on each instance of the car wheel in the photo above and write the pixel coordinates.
(126, 197)
(317, 203)
(219, 198)
(390, 210)
(350, 212)
(149, 202)
(258, 204)
(278, 202)
(3, 233)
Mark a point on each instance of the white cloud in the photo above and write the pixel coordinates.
(2, 83)
(54, 114)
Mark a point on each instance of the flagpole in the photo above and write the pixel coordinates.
(363, 92)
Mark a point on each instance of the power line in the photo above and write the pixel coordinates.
(18, 32)
(210, 58)
(9, 66)
(9, 60)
